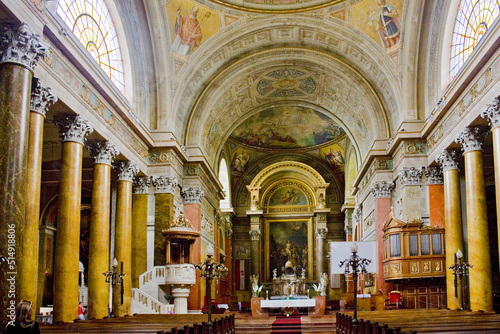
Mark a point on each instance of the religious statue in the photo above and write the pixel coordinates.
(324, 283)
(275, 273)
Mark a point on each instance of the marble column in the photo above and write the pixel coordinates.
(321, 233)
(98, 290)
(192, 207)
(436, 195)
(41, 98)
(73, 131)
(492, 113)
(382, 193)
(481, 297)
(123, 236)
(20, 50)
(228, 234)
(255, 236)
(454, 239)
(165, 187)
(410, 179)
(139, 228)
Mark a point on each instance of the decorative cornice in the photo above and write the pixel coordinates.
(192, 195)
(20, 46)
(434, 175)
(321, 232)
(141, 185)
(492, 112)
(382, 189)
(41, 97)
(126, 171)
(103, 152)
(471, 138)
(255, 235)
(165, 184)
(410, 176)
(73, 128)
(448, 159)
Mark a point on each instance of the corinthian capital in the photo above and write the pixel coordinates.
(141, 185)
(448, 159)
(410, 176)
(255, 235)
(434, 175)
(165, 184)
(382, 189)
(126, 171)
(492, 112)
(73, 128)
(471, 138)
(321, 232)
(41, 98)
(192, 195)
(103, 152)
(20, 46)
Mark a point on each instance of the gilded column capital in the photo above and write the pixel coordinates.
(192, 195)
(41, 98)
(141, 185)
(471, 138)
(434, 175)
(103, 152)
(126, 171)
(255, 235)
(73, 128)
(448, 159)
(20, 46)
(382, 189)
(492, 112)
(165, 184)
(410, 176)
(321, 232)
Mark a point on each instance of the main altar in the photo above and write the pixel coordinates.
(289, 284)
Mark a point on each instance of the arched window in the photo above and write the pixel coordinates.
(224, 179)
(474, 17)
(91, 23)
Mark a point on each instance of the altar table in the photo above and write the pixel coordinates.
(282, 303)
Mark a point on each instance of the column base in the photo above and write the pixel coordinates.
(181, 295)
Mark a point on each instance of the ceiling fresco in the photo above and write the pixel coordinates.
(287, 127)
(274, 6)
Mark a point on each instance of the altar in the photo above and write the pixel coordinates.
(286, 303)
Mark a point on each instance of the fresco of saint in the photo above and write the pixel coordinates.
(188, 30)
(388, 25)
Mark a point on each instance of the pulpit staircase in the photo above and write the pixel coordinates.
(145, 299)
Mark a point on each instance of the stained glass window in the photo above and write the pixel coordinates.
(91, 23)
(474, 17)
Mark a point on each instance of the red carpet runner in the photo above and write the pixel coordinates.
(288, 325)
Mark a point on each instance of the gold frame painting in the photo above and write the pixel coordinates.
(288, 234)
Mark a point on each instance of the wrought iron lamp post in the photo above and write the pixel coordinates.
(114, 277)
(208, 270)
(358, 265)
(461, 270)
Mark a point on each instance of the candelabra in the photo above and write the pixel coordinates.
(461, 270)
(358, 265)
(208, 270)
(114, 277)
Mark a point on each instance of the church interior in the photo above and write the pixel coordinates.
(146, 140)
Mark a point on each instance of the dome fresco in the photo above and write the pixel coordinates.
(287, 127)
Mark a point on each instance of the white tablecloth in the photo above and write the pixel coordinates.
(276, 303)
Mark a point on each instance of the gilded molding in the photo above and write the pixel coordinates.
(73, 128)
(471, 138)
(492, 112)
(434, 175)
(20, 46)
(448, 159)
(41, 98)
(126, 171)
(103, 152)
(165, 184)
(192, 195)
(410, 176)
(382, 189)
(141, 185)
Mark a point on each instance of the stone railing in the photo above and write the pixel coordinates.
(153, 304)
